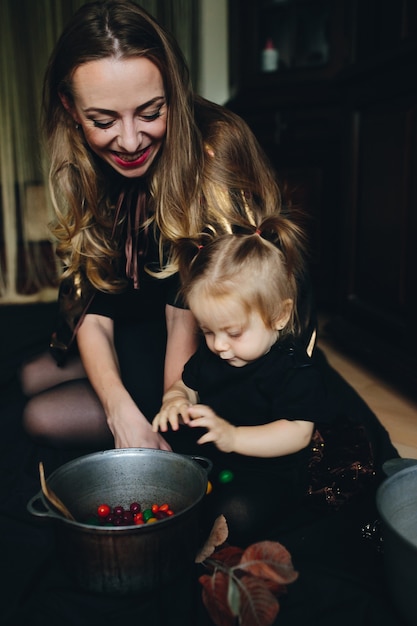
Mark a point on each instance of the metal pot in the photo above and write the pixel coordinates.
(127, 559)
(396, 501)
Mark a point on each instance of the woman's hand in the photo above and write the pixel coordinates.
(129, 426)
(219, 431)
(131, 429)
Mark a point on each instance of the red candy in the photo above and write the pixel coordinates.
(103, 510)
(119, 516)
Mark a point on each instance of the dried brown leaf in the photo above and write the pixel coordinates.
(258, 606)
(228, 555)
(217, 537)
(267, 550)
(270, 561)
(245, 583)
(215, 598)
(227, 597)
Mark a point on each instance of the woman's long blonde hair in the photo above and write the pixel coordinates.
(82, 197)
(210, 176)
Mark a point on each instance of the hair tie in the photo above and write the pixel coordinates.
(258, 232)
(200, 245)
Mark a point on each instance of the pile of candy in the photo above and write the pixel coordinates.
(119, 516)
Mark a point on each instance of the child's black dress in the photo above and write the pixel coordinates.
(283, 384)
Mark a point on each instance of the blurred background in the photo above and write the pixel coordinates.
(28, 32)
(329, 89)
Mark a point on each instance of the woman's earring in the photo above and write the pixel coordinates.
(77, 126)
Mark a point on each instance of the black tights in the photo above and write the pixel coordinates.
(62, 408)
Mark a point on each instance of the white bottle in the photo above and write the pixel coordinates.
(270, 57)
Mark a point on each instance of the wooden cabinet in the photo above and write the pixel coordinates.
(309, 35)
(340, 127)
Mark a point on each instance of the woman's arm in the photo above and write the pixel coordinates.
(267, 440)
(181, 342)
(128, 424)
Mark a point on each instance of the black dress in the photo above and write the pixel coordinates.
(282, 384)
(140, 332)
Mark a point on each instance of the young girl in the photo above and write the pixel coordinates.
(249, 393)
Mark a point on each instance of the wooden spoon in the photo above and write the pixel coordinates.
(52, 497)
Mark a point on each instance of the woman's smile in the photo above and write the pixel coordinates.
(132, 160)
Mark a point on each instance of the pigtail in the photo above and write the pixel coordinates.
(287, 236)
(187, 251)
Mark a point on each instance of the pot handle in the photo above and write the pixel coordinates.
(392, 466)
(47, 512)
(204, 462)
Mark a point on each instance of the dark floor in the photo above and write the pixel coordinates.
(341, 580)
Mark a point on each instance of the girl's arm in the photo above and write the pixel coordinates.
(275, 439)
(128, 424)
(267, 440)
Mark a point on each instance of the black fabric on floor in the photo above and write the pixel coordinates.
(341, 576)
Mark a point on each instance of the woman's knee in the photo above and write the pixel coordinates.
(46, 415)
(36, 421)
(26, 374)
(42, 373)
(68, 414)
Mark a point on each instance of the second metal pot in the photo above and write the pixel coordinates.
(397, 505)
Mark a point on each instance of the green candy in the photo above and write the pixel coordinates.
(226, 476)
(147, 513)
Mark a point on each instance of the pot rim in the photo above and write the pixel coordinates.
(50, 512)
(383, 487)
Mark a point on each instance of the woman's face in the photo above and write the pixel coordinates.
(120, 105)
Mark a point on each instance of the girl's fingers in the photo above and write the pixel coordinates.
(171, 416)
(197, 411)
(159, 423)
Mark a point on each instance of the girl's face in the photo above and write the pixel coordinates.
(234, 336)
(120, 105)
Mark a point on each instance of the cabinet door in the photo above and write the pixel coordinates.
(383, 261)
(306, 147)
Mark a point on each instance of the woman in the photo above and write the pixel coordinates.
(132, 172)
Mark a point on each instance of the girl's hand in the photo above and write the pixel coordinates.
(174, 409)
(219, 431)
(173, 412)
